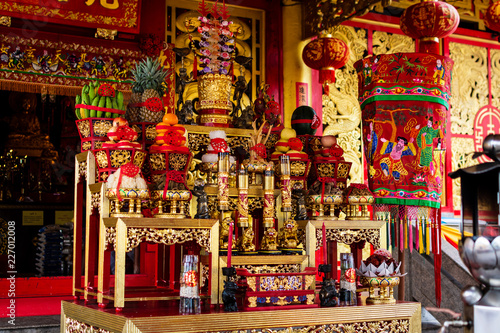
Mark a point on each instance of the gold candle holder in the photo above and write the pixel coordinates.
(223, 181)
(243, 197)
(286, 193)
(269, 196)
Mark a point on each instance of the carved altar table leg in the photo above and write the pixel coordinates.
(120, 254)
(138, 206)
(321, 210)
(173, 207)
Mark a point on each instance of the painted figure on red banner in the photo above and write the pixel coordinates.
(439, 72)
(425, 141)
(392, 164)
(371, 147)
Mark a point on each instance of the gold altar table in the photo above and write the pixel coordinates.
(403, 317)
(125, 233)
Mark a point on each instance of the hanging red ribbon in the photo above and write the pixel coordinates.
(323, 181)
(437, 257)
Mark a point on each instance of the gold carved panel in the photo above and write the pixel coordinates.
(75, 326)
(461, 157)
(397, 325)
(341, 109)
(470, 92)
(495, 77)
(384, 42)
(162, 236)
(349, 236)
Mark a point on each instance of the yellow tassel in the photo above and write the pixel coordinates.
(428, 239)
(420, 237)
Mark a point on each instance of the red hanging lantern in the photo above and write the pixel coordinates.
(492, 16)
(326, 54)
(428, 21)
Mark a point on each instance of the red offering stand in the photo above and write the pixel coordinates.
(93, 132)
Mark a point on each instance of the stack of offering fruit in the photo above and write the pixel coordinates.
(99, 100)
(121, 135)
(171, 136)
(289, 144)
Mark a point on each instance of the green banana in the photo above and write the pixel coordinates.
(85, 100)
(78, 100)
(114, 103)
(92, 93)
(102, 104)
(109, 105)
(119, 100)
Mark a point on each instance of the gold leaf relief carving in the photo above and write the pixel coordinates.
(351, 143)
(470, 92)
(393, 326)
(461, 157)
(341, 109)
(384, 43)
(495, 76)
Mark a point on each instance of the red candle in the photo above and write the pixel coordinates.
(230, 244)
(325, 255)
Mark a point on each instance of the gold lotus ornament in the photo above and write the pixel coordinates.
(385, 286)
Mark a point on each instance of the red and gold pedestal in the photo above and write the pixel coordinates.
(93, 132)
(214, 91)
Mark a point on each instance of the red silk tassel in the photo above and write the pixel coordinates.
(195, 67)
(437, 256)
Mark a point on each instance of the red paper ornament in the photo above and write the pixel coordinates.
(106, 89)
(295, 144)
(326, 54)
(428, 21)
(219, 145)
(154, 104)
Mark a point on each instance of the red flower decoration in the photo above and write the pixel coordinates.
(336, 151)
(154, 104)
(260, 150)
(106, 89)
(295, 144)
(151, 45)
(219, 145)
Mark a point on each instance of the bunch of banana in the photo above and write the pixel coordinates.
(99, 95)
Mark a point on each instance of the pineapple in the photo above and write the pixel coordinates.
(132, 114)
(149, 76)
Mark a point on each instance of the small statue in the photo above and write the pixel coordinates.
(240, 86)
(224, 233)
(172, 185)
(245, 119)
(202, 207)
(299, 196)
(186, 113)
(288, 235)
(269, 241)
(245, 241)
(318, 188)
(328, 294)
(229, 296)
